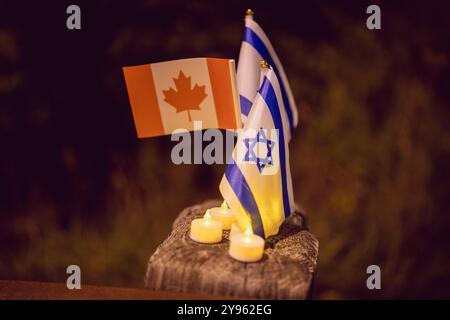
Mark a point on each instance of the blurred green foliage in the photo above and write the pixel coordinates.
(369, 160)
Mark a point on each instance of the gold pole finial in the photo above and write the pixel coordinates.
(249, 12)
(264, 64)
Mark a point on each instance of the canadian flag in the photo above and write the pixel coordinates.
(172, 95)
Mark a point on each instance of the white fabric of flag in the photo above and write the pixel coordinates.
(257, 184)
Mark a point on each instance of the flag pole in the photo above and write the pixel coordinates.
(249, 13)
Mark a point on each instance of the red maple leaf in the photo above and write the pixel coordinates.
(184, 98)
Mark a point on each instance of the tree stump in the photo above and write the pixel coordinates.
(286, 271)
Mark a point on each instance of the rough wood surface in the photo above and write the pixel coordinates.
(285, 272)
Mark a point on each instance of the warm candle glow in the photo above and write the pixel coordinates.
(223, 214)
(248, 234)
(224, 205)
(207, 216)
(206, 230)
(246, 246)
(234, 231)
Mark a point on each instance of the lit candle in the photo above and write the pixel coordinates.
(246, 246)
(224, 215)
(206, 230)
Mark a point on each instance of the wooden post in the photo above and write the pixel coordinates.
(285, 272)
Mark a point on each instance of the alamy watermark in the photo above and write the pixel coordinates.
(258, 146)
(73, 21)
(374, 280)
(74, 279)
(373, 22)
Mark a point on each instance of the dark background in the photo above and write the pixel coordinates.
(369, 159)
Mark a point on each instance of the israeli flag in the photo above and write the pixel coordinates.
(256, 47)
(257, 184)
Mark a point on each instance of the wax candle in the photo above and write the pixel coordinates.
(246, 246)
(224, 215)
(206, 230)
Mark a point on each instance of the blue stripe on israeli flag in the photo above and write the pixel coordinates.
(246, 105)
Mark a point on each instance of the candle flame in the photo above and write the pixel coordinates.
(224, 205)
(248, 235)
(207, 215)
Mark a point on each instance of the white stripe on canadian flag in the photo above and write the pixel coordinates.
(172, 95)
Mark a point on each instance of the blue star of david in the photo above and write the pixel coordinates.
(250, 156)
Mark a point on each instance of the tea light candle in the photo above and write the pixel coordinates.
(246, 246)
(206, 230)
(224, 215)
